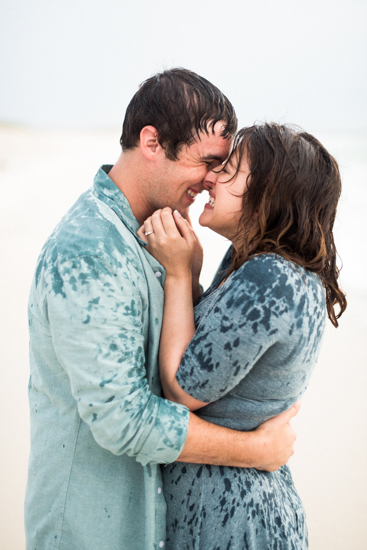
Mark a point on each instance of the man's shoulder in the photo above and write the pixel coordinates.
(89, 229)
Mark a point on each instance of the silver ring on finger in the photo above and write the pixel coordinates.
(148, 233)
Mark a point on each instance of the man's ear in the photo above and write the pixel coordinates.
(149, 143)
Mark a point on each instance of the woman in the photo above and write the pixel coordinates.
(247, 350)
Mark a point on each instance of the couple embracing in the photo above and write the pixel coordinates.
(160, 413)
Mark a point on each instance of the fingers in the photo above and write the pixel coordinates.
(188, 219)
(157, 224)
(184, 227)
(286, 416)
(141, 234)
(291, 413)
(154, 227)
(163, 223)
(148, 225)
(168, 221)
(292, 437)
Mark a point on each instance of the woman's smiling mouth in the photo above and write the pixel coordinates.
(210, 203)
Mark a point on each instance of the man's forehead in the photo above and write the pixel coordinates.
(216, 149)
(212, 145)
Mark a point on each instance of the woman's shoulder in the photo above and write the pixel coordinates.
(269, 277)
(268, 263)
(267, 294)
(267, 268)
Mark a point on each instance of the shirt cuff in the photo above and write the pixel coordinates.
(166, 439)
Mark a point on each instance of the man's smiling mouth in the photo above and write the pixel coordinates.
(191, 193)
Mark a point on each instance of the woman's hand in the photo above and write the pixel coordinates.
(171, 241)
(196, 265)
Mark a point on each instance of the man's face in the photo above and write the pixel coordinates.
(178, 182)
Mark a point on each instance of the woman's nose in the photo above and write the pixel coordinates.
(210, 180)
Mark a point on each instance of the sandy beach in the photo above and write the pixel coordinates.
(41, 174)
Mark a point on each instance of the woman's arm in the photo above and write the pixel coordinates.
(177, 330)
(175, 250)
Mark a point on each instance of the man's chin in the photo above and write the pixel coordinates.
(183, 210)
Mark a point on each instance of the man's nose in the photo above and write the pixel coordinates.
(210, 180)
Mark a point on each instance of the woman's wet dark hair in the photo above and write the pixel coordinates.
(179, 104)
(290, 205)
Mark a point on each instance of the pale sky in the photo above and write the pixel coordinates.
(77, 63)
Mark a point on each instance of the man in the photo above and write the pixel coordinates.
(99, 426)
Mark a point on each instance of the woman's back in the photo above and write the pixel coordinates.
(257, 341)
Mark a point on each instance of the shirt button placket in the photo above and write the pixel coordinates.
(161, 543)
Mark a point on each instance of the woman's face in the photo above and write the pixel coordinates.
(223, 211)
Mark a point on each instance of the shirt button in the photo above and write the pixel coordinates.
(159, 490)
(158, 274)
(161, 544)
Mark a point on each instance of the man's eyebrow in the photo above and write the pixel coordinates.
(212, 157)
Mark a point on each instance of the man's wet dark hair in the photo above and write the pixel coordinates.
(179, 104)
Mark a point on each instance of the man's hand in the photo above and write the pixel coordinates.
(274, 441)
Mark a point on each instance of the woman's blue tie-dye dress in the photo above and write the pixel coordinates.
(257, 340)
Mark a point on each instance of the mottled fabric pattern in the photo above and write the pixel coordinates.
(257, 341)
(99, 426)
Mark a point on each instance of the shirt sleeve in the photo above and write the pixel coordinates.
(242, 324)
(95, 312)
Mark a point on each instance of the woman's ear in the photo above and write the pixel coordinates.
(149, 144)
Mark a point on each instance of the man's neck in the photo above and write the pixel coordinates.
(127, 174)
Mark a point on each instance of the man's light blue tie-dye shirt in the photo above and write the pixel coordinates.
(99, 428)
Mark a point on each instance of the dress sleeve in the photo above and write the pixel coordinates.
(245, 320)
(95, 312)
